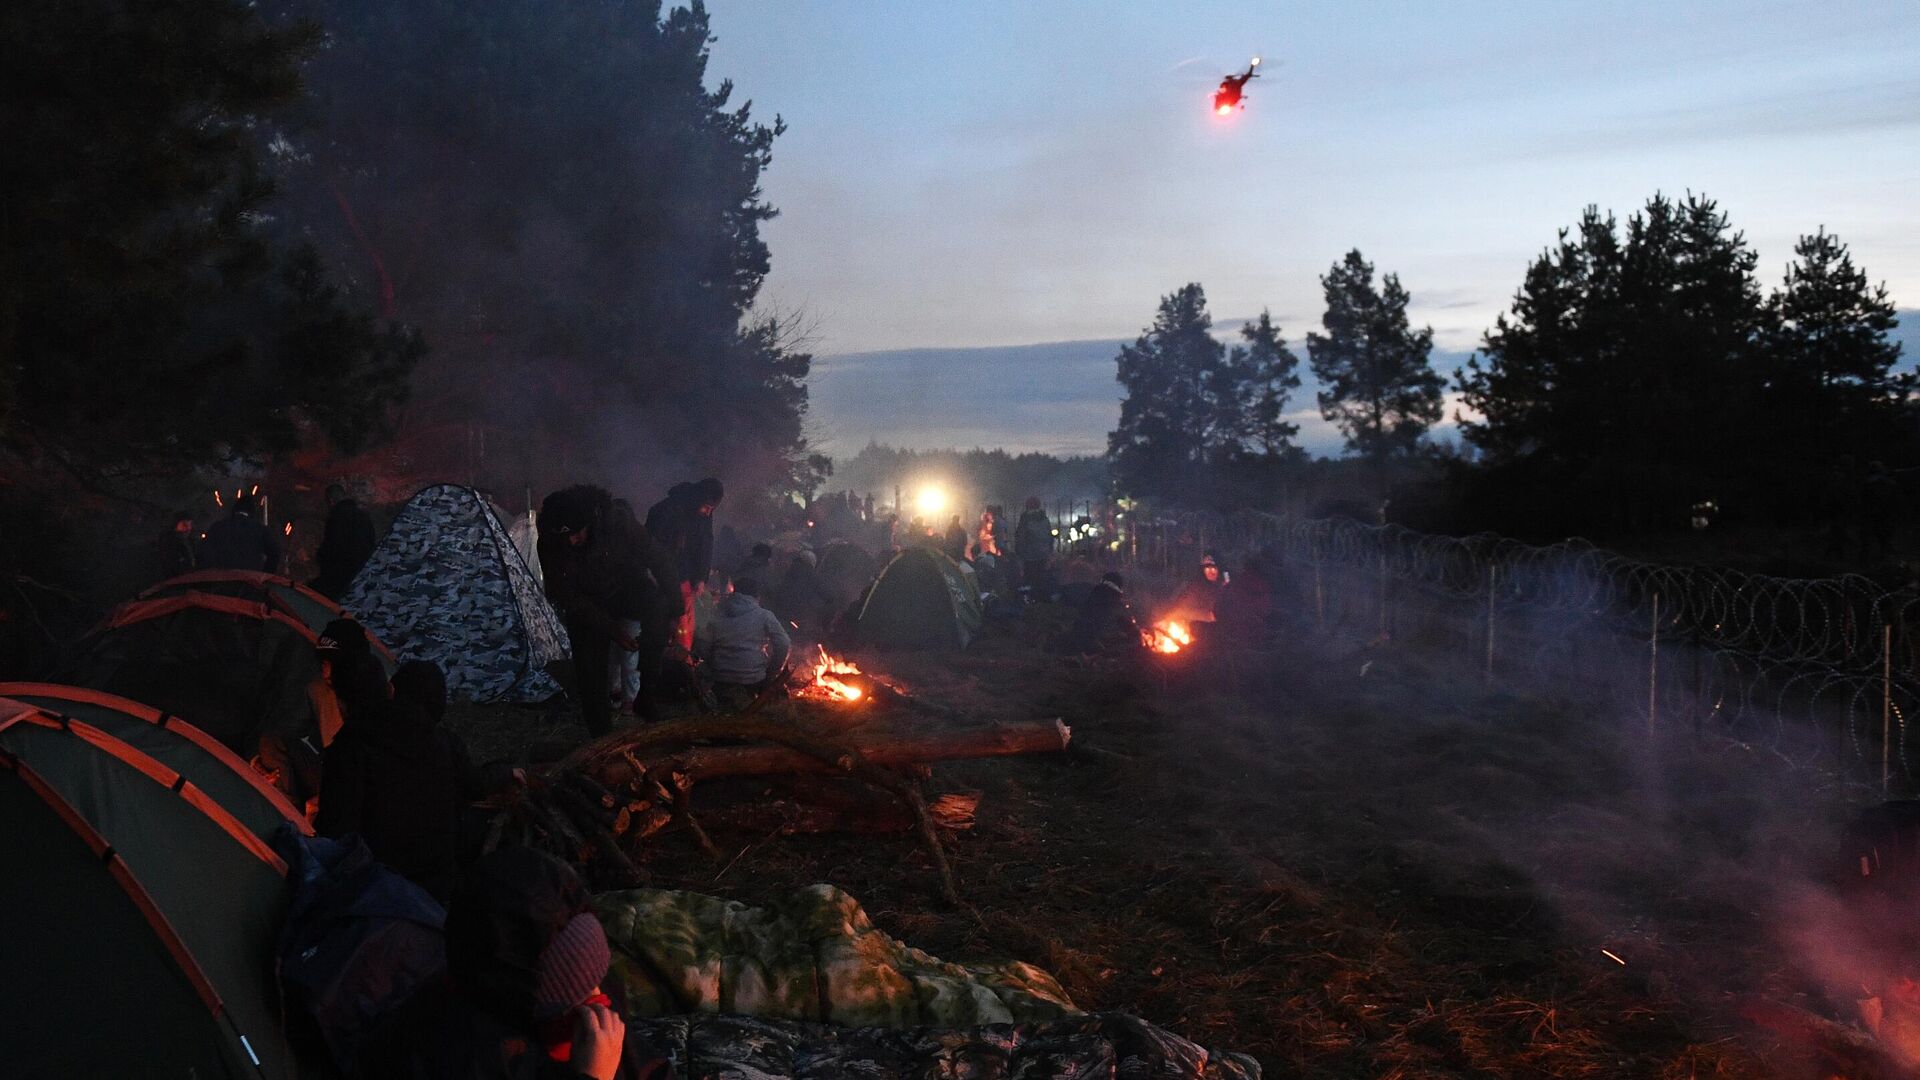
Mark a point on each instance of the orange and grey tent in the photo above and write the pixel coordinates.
(284, 595)
(175, 743)
(240, 670)
(144, 915)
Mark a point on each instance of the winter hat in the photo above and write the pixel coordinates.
(422, 683)
(709, 490)
(571, 966)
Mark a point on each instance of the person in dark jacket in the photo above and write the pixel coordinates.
(955, 542)
(600, 567)
(1105, 620)
(682, 523)
(758, 564)
(1033, 544)
(391, 777)
(240, 542)
(802, 598)
(345, 546)
(173, 550)
(522, 999)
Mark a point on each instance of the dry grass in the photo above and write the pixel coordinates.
(1396, 875)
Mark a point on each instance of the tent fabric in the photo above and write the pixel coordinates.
(208, 889)
(448, 585)
(811, 955)
(922, 600)
(236, 669)
(173, 742)
(284, 595)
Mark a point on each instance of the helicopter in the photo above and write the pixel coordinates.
(1233, 88)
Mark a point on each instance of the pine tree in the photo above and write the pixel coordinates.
(148, 323)
(1168, 421)
(1830, 333)
(1377, 381)
(1267, 375)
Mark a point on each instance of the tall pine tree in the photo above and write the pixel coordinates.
(148, 322)
(1168, 420)
(1376, 376)
(1832, 361)
(1265, 373)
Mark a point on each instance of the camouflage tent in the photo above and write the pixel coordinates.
(448, 585)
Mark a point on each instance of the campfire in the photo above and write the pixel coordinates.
(1167, 636)
(827, 681)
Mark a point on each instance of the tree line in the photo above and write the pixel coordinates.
(241, 232)
(1640, 369)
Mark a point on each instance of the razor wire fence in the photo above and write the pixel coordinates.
(1822, 668)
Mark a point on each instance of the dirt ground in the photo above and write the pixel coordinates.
(1346, 862)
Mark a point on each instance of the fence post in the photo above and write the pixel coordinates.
(1319, 599)
(1493, 581)
(1886, 709)
(1653, 671)
(1383, 592)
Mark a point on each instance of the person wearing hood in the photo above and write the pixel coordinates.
(345, 545)
(1103, 622)
(802, 599)
(599, 568)
(522, 999)
(1033, 544)
(682, 523)
(393, 778)
(745, 644)
(240, 542)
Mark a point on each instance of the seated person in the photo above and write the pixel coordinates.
(745, 644)
(1104, 621)
(394, 778)
(522, 997)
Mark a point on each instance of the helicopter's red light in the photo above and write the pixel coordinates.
(1224, 110)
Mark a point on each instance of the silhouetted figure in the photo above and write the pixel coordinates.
(955, 543)
(802, 597)
(1199, 599)
(395, 779)
(599, 568)
(1104, 621)
(345, 545)
(173, 553)
(758, 564)
(1033, 544)
(523, 995)
(682, 524)
(240, 542)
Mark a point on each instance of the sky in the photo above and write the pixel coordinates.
(979, 200)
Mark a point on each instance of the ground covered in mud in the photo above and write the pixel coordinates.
(1346, 861)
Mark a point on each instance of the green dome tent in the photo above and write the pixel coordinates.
(145, 916)
(922, 600)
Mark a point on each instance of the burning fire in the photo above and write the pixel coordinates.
(1167, 636)
(825, 678)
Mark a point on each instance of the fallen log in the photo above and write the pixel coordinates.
(791, 817)
(878, 748)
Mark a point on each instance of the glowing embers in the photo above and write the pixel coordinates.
(827, 679)
(1167, 636)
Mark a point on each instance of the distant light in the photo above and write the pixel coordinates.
(1256, 62)
(1225, 110)
(932, 500)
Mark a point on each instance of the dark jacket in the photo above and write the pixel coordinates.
(172, 555)
(239, 542)
(345, 547)
(478, 1023)
(1033, 536)
(617, 574)
(678, 526)
(1105, 619)
(394, 778)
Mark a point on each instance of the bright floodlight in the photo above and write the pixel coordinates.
(932, 501)
(1225, 110)
(1256, 62)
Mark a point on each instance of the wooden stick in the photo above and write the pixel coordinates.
(607, 761)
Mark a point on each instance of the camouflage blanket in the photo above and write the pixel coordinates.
(448, 585)
(814, 956)
(1105, 1046)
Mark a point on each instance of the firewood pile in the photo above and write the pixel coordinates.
(843, 762)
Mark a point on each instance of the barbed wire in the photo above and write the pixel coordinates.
(1815, 666)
